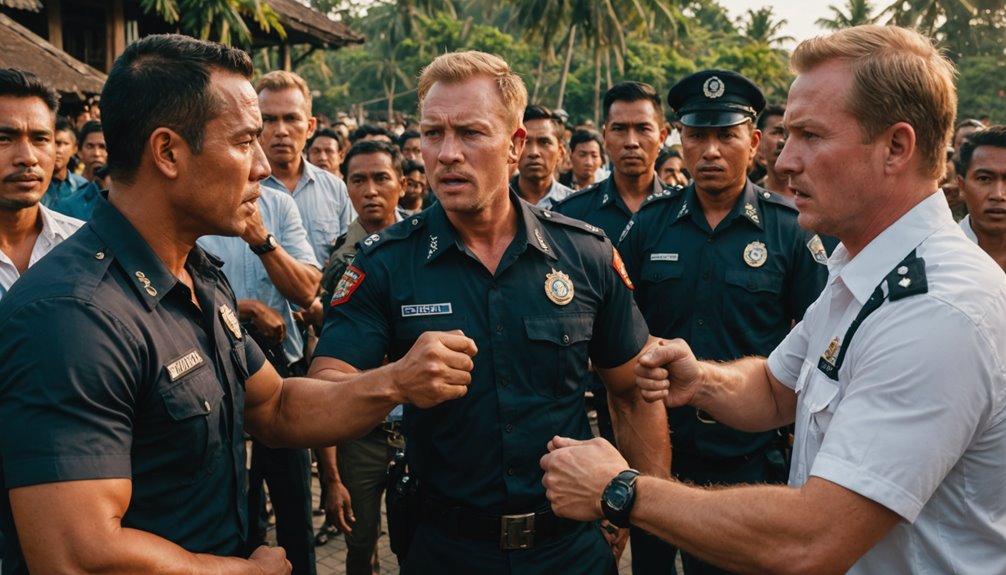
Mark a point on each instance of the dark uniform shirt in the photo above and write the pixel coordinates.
(729, 293)
(601, 205)
(110, 371)
(482, 450)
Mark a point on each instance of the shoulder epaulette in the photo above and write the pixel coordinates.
(393, 233)
(546, 215)
(667, 193)
(777, 199)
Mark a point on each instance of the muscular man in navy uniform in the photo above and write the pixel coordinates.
(534, 294)
(127, 382)
(723, 264)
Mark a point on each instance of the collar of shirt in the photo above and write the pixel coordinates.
(138, 260)
(56, 227)
(969, 232)
(747, 207)
(863, 273)
(307, 177)
(441, 234)
(609, 193)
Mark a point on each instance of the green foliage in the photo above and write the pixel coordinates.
(982, 88)
(220, 20)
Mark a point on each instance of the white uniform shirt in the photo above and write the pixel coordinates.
(324, 206)
(56, 227)
(966, 228)
(917, 419)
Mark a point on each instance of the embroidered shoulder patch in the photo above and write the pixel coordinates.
(619, 266)
(351, 279)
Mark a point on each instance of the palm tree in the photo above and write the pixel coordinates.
(543, 21)
(220, 20)
(857, 12)
(762, 28)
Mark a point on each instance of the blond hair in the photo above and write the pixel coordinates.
(460, 66)
(898, 76)
(279, 80)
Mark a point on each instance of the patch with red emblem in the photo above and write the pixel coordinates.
(351, 279)
(619, 266)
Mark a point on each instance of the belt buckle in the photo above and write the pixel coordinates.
(516, 531)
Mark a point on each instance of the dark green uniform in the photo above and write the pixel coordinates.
(602, 206)
(555, 299)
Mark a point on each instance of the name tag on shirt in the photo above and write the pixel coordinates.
(663, 257)
(184, 365)
(417, 310)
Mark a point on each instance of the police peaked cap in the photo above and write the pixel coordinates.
(715, 98)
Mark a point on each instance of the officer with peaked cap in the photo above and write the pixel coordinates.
(739, 270)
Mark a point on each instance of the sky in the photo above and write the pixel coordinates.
(800, 15)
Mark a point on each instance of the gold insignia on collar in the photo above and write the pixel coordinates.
(751, 213)
(558, 287)
(230, 320)
(755, 254)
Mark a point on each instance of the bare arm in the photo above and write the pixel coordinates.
(338, 504)
(818, 528)
(297, 281)
(742, 394)
(640, 426)
(76, 527)
(311, 412)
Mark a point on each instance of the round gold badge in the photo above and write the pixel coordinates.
(755, 254)
(558, 287)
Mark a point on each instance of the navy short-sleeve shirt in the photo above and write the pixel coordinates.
(730, 292)
(110, 371)
(600, 204)
(556, 299)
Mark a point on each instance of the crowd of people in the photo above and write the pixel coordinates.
(209, 288)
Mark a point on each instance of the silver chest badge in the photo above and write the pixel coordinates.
(755, 254)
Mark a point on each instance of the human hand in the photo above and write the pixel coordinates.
(617, 538)
(437, 368)
(271, 560)
(268, 322)
(255, 233)
(339, 506)
(668, 371)
(576, 473)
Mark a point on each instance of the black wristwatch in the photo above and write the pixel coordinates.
(269, 245)
(618, 497)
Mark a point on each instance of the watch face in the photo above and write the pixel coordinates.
(617, 496)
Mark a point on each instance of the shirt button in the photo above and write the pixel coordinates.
(565, 338)
(508, 428)
(206, 406)
(504, 381)
(499, 328)
(702, 322)
(510, 471)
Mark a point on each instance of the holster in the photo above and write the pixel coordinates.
(403, 506)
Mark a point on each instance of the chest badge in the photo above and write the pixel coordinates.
(831, 353)
(755, 254)
(558, 287)
(230, 320)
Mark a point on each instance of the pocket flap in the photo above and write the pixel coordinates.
(196, 394)
(565, 329)
(661, 271)
(755, 280)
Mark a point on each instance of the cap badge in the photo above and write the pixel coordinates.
(558, 287)
(755, 254)
(713, 88)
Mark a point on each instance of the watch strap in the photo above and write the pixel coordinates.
(617, 514)
(269, 245)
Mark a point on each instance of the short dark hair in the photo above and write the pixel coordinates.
(373, 147)
(163, 81)
(966, 123)
(406, 136)
(991, 136)
(64, 125)
(768, 112)
(90, 127)
(664, 155)
(584, 136)
(369, 130)
(21, 84)
(409, 166)
(326, 133)
(539, 112)
(631, 92)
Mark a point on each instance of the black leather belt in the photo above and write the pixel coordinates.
(521, 531)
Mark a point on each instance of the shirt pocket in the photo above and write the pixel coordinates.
(816, 405)
(657, 272)
(194, 405)
(558, 352)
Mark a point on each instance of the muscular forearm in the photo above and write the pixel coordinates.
(297, 281)
(641, 432)
(763, 528)
(328, 468)
(313, 412)
(742, 395)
